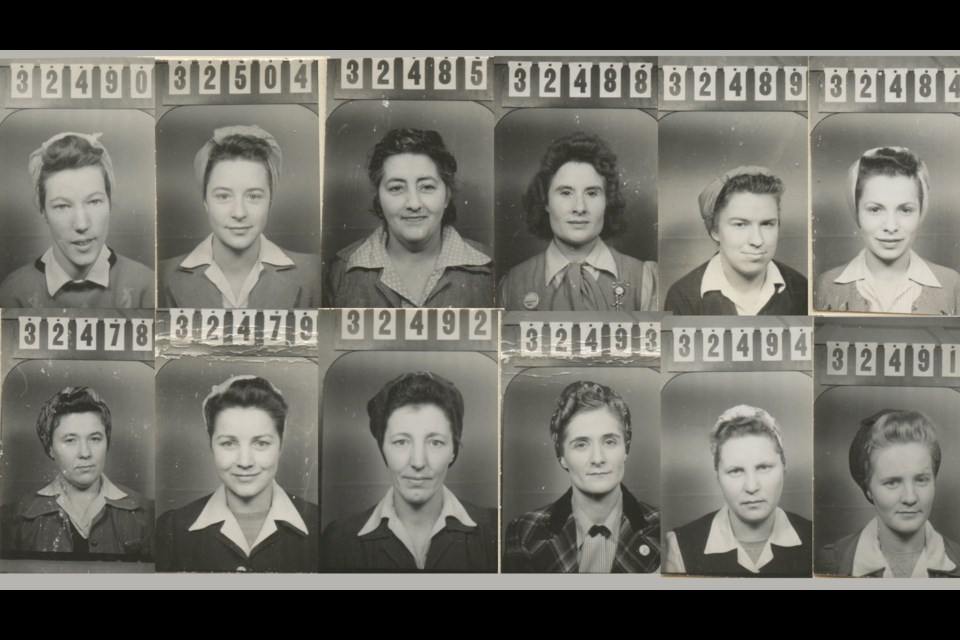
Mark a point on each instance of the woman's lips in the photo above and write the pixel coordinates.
(84, 244)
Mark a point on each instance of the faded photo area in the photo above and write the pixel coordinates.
(237, 466)
(581, 454)
(78, 467)
(887, 482)
(738, 474)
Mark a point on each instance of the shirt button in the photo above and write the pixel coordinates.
(644, 550)
(242, 569)
(93, 543)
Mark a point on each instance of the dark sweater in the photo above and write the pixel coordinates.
(684, 299)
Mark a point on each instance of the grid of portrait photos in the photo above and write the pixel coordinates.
(357, 318)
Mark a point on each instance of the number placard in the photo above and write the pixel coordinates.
(448, 324)
(301, 78)
(269, 76)
(865, 80)
(530, 343)
(414, 73)
(181, 326)
(352, 324)
(591, 338)
(111, 81)
(801, 344)
(444, 73)
(481, 324)
(143, 334)
(742, 344)
(51, 81)
(382, 73)
(684, 349)
(81, 81)
(735, 83)
(476, 73)
(416, 325)
(610, 79)
(950, 355)
(771, 344)
(675, 82)
(705, 83)
(518, 78)
(621, 338)
(561, 338)
(923, 360)
(895, 85)
(351, 73)
(244, 327)
(385, 324)
(549, 80)
(641, 74)
(305, 327)
(795, 81)
(580, 79)
(239, 77)
(87, 334)
(650, 337)
(835, 84)
(210, 77)
(765, 83)
(275, 327)
(21, 81)
(837, 358)
(713, 345)
(866, 358)
(114, 337)
(141, 81)
(951, 85)
(925, 85)
(894, 359)
(29, 333)
(58, 333)
(211, 326)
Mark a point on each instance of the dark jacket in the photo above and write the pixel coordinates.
(684, 298)
(836, 559)
(287, 550)
(279, 287)
(36, 524)
(457, 548)
(788, 562)
(466, 286)
(545, 540)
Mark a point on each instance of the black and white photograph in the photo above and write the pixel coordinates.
(581, 446)
(408, 185)
(733, 186)
(238, 174)
(887, 482)
(77, 480)
(737, 448)
(576, 184)
(237, 459)
(410, 441)
(78, 184)
(885, 238)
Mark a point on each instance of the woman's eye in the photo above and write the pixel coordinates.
(429, 188)
(261, 444)
(395, 188)
(891, 483)
(437, 443)
(922, 480)
(907, 211)
(61, 206)
(221, 196)
(401, 442)
(228, 444)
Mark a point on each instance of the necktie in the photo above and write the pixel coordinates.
(582, 286)
(598, 530)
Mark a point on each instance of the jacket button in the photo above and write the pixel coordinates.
(644, 550)
(93, 543)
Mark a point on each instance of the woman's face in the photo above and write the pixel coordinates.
(77, 211)
(577, 203)
(747, 230)
(594, 451)
(413, 198)
(902, 486)
(246, 450)
(750, 473)
(238, 202)
(418, 449)
(79, 448)
(889, 216)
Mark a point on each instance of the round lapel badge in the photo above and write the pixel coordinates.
(644, 550)
(531, 301)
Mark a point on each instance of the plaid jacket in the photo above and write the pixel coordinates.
(545, 540)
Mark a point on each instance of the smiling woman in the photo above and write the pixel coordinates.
(419, 525)
(73, 183)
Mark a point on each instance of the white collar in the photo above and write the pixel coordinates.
(217, 511)
(270, 253)
(918, 271)
(722, 540)
(714, 279)
(584, 524)
(83, 521)
(868, 558)
(600, 259)
(56, 277)
(203, 255)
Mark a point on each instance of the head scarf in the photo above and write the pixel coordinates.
(35, 163)
(709, 196)
(274, 160)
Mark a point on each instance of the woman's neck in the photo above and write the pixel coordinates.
(883, 270)
(575, 253)
(72, 270)
(741, 282)
(896, 542)
(752, 531)
(81, 497)
(259, 503)
(418, 516)
(597, 508)
(404, 251)
(233, 262)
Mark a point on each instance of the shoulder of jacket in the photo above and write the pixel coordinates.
(180, 519)
(347, 528)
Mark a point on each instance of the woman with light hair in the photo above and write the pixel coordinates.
(750, 535)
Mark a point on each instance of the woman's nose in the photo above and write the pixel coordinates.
(413, 200)
(418, 457)
(756, 237)
(239, 211)
(245, 457)
(597, 456)
(579, 203)
(81, 219)
(84, 449)
(891, 222)
(909, 495)
(751, 483)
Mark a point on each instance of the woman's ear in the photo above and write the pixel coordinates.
(563, 463)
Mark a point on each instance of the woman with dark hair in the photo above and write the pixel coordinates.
(597, 526)
(236, 266)
(419, 525)
(888, 192)
(574, 201)
(249, 523)
(741, 211)
(415, 258)
(750, 535)
(73, 184)
(81, 511)
(894, 459)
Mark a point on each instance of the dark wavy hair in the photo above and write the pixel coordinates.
(577, 147)
(245, 393)
(890, 162)
(240, 147)
(420, 142)
(67, 401)
(756, 183)
(70, 152)
(418, 388)
(584, 396)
